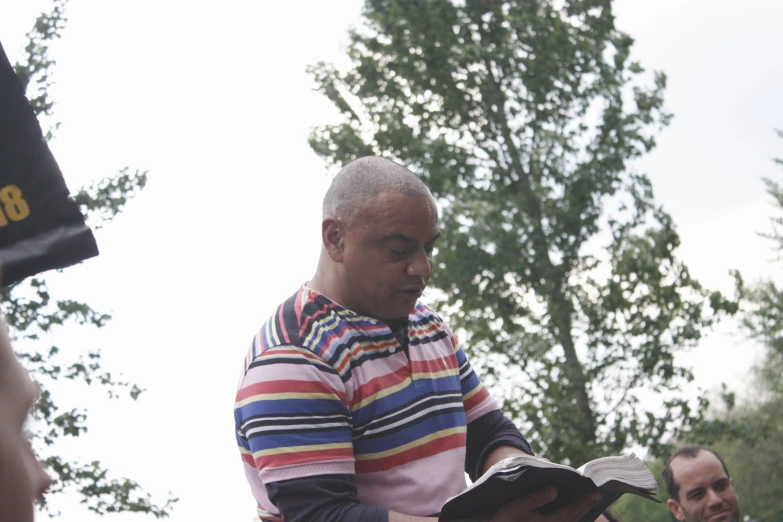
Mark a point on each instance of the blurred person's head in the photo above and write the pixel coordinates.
(699, 487)
(22, 479)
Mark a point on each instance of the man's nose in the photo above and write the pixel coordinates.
(420, 265)
(713, 499)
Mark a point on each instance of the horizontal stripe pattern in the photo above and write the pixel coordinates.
(325, 388)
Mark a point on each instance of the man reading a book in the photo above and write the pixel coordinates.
(356, 403)
(699, 486)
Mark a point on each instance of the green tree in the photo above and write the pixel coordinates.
(756, 469)
(747, 436)
(556, 264)
(33, 315)
(754, 462)
(763, 317)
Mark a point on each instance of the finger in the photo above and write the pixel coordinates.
(520, 508)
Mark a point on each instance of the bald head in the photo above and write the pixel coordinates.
(360, 182)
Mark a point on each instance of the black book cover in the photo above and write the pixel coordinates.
(41, 227)
(505, 486)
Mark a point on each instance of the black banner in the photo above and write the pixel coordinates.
(41, 227)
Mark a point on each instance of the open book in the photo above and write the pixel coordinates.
(516, 477)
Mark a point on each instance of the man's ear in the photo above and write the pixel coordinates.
(333, 236)
(676, 510)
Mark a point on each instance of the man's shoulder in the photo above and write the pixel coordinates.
(423, 314)
(282, 328)
(301, 322)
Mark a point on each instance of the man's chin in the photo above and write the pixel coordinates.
(402, 310)
(725, 516)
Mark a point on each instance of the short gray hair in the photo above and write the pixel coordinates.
(362, 180)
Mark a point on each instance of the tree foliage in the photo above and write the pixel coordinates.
(754, 464)
(34, 315)
(763, 318)
(747, 435)
(756, 467)
(556, 263)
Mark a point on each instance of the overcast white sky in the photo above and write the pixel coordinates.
(213, 99)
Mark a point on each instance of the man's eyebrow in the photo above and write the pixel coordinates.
(694, 491)
(399, 237)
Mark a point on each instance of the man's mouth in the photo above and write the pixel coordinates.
(720, 515)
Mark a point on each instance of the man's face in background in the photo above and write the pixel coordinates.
(706, 493)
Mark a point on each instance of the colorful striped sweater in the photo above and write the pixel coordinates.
(325, 390)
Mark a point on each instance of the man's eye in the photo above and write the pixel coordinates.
(720, 486)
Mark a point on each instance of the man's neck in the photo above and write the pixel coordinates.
(323, 286)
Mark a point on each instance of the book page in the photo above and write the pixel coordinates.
(628, 468)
